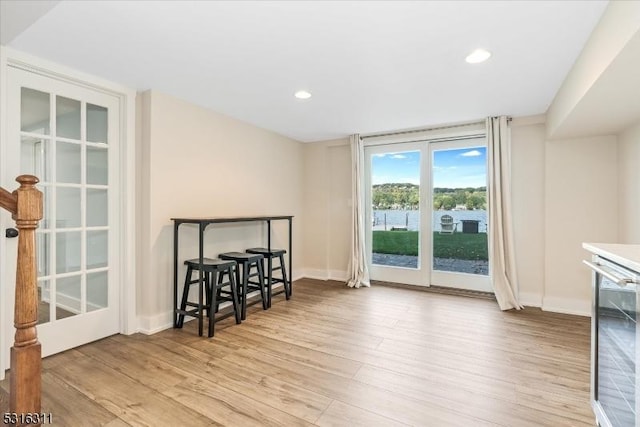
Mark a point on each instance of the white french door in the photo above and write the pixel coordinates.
(68, 136)
(426, 216)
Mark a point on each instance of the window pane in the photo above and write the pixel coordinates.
(68, 207)
(44, 298)
(97, 208)
(97, 249)
(460, 210)
(43, 250)
(34, 157)
(67, 118)
(68, 162)
(96, 123)
(34, 111)
(97, 290)
(97, 166)
(396, 209)
(68, 252)
(46, 202)
(68, 302)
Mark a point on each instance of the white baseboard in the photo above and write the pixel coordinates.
(556, 304)
(150, 325)
(339, 275)
(578, 307)
(530, 299)
(325, 275)
(317, 274)
(298, 277)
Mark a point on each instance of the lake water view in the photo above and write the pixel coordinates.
(411, 219)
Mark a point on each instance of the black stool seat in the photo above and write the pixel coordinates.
(266, 252)
(269, 256)
(208, 263)
(211, 290)
(246, 262)
(240, 256)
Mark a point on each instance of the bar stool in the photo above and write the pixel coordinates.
(210, 269)
(246, 262)
(269, 255)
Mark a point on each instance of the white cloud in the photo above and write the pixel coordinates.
(472, 153)
(379, 155)
(398, 156)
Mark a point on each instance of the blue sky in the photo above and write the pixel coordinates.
(458, 168)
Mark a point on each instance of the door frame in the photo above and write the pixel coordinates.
(127, 102)
(415, 140)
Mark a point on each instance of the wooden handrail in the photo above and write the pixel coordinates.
(25, 204)
(8, 201)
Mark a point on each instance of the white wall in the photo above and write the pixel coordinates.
(339, 158)
(629, 185)
(327, 209)
(528, 195)
(564, 194)
(603, 75)
(581, 205)
(194, 162)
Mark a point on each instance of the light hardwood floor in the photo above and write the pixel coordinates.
(336, 356)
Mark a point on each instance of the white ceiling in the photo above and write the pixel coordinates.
(371, 65)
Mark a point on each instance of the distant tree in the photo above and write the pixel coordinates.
(437, 202)
(414, 199)
(448, 202)
(407, 196)
(475, 201)
(460, 196)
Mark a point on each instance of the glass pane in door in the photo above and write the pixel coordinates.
(97, 290)
(97, 165)
(35, 157)
(71, 160)
(395, 199)
(68, 162)
(34, 111)
(97, 124)
(43, 296)
(68, 117)
(459, 220)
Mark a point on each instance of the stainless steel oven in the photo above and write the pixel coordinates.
(614, 344)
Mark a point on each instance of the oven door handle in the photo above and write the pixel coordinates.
(620, 281)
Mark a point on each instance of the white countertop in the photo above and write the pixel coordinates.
(625, 255)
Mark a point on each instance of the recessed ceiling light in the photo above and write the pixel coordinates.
(302, 94)
(477, 56)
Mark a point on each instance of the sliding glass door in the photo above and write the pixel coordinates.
(427, 216)
(459, 220)
(397, 187)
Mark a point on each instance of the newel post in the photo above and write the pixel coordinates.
(26, 354)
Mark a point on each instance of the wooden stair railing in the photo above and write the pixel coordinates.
(25, 205)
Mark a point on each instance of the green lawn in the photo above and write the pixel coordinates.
(457, 245)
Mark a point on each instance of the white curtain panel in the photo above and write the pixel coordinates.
(502, 261)
(358, 270)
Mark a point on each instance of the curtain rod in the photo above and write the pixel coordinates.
(408, 132)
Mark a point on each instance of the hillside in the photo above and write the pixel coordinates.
(407, 196)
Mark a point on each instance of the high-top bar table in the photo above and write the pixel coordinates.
(202, 225)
